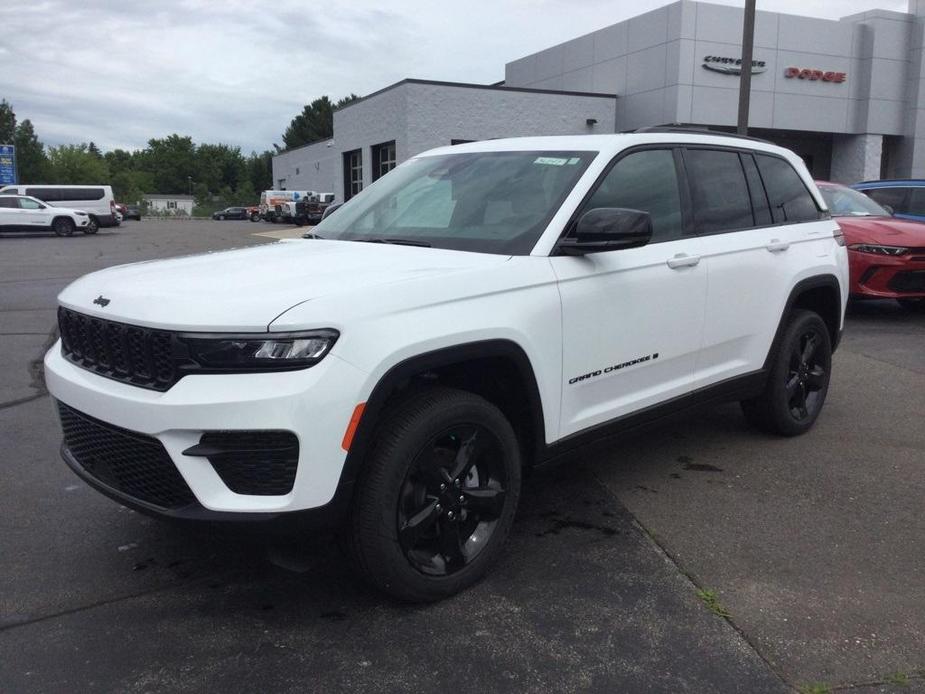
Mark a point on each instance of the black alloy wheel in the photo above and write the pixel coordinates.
(452, 499)
(807, 376)
(797, 380)
(437, 495)
(63, 226)
(93, 226)
(221, 218)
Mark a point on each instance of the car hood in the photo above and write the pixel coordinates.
(245, 289)
(888, 231)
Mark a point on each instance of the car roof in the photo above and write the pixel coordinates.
(608, 144)
(893, 183)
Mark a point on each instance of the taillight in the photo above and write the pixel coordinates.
(112, 207)
(839, 237)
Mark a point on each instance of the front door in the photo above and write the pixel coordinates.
(34, 214)
(632, 319)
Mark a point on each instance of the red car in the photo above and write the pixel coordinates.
(886, 254)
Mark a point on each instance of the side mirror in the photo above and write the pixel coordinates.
(608, 229)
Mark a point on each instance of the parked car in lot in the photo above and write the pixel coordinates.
(253, 213)
(25, 213)
(230, 213)
(886, 254)
(904, 198)
(95, 200)
(481, 310)
(132, 212)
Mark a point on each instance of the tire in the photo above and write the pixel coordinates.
(916, 305)
(221, 218)
(798, 380)
(63, 226)
(93, 226)
(408, 537)
(255, 217)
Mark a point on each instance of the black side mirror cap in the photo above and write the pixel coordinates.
(608, 229)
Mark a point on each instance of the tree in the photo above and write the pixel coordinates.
(172, 163)
(30, 154)
(316, 122)
(94, 150)
(260, 170)
(7, 123)
(73, 164)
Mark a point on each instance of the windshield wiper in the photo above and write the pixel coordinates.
(310, 235)
(397, 242)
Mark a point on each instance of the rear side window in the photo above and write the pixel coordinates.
(8, 202)
(790, 200)
(894, 197)
(68, 194)
(646, 180)
(760, 206)
(719, 192)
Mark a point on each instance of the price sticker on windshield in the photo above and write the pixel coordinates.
(551, 161)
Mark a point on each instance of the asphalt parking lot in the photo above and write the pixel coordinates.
(699, 556)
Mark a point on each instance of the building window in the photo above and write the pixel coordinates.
(282, 184)
(353, 173)
(383, 159)
(171, 204)
(297, 171)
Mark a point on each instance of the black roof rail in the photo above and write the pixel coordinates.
(688, 130)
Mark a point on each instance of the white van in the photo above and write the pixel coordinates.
(96, 201)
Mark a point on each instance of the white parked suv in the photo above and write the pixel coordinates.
(25, 213)
(479, 310)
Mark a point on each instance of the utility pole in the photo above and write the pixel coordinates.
(745, 77)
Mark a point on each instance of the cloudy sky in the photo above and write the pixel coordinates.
(119, 72)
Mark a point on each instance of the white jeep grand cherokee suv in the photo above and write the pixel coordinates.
(25, 213)
(479, 310)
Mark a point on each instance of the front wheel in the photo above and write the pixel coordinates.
(63, 226)
(93, 226)
(437, 497)
(915, 305)
(798, 380)
(255, 217)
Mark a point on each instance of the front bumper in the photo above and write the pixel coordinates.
(887, 277)
(314, 404)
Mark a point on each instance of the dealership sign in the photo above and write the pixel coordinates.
(813, 75)
(731, 66)
(7, 165)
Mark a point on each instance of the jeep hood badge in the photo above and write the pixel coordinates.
(101, 300)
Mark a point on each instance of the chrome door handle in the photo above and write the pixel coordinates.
(683, 260)
(776, 245)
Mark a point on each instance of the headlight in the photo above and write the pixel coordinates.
(270, 352)
(877, 250)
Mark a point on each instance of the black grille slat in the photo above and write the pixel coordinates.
(911, 281)
(131, 463)
(128, 353)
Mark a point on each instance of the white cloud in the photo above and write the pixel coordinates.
(119, 72)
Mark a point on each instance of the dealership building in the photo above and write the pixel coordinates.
(847, 94)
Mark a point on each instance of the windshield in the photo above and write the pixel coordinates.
(487, 202)
(847, 202)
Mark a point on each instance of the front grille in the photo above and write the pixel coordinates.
(129, 462)
(910, 281)
(262, 463)
(128, 353)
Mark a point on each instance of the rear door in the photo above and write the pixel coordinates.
(758, 223)
(631, 319)
(9, 212)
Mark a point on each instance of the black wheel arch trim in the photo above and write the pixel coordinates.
(429, 361)
(815, 282)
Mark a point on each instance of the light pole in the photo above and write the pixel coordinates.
(745, 77)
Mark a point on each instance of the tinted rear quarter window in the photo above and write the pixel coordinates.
(69, 194)
(9, 202)
(894, 197)
(719, 192)
(790, 199)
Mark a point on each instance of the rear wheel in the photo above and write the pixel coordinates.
(255, 217)
(437, 497)
(916, 305)
(63, 226)
(798, 380)
(221, 218)
(92, 227)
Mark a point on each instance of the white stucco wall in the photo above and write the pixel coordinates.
(312, 167)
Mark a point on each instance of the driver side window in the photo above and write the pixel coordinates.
(646, 180)
(26, 204)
